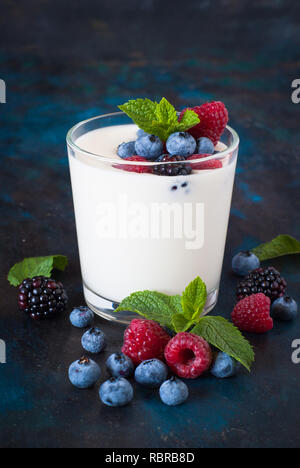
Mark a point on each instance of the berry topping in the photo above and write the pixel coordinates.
(252, 314)
(116, 392)
(172, 169)
(205, 146)
(181, 143)
(188, 355)
(143, 340)
(84, 373)
(210, 164)
(284, 309)
(149, 146)
(42, 297)
(126, 150)
(213, 120)
(262, 280)
(244, 262)
(134, 168)
(173, 392)
(151, 373)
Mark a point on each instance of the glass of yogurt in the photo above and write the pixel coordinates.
(140, 231)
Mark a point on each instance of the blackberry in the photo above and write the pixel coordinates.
(262, 280)
(42, 297)
(172, 169)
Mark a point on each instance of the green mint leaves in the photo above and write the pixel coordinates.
(36, 266)
(159, 119)
(226, 337)
(183, 313)
(281, 245)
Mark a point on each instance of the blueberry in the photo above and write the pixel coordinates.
(84, 373)
(81, 317)
(149, 146)
(181, 144)
(126, 150)
(244, 262)
(116, 392)
(284, 308)
(141, 133)
(173, 392)
(224, 366)
(151, 373)
(93, 340)
(205, 146)
(120, 365)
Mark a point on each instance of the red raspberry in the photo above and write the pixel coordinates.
(211, 164)
(213, 120)
(252, 314)
(132, 168)
(188, 355)
(144, 339)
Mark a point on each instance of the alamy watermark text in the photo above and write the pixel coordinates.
(2, 92)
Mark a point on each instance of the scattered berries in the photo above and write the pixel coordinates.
(84, 373)
(224, 366)
(262, 280)
(119, 365)
(205, 146)
(143, 340)
(244, 262)
(149, 146)
(116, 392)
(126, 150)
(81, 317)
(181, 143)
(202, 165)
(284, 309)
(173, 392)
(188, 355)
(134, 168)
(252, 314)
(42, 297)
(151, 373)
(171, 168)
(213, 120)
(93, 340)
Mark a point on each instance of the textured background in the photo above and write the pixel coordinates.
(67, 61)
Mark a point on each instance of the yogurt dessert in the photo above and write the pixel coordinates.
(151, 209)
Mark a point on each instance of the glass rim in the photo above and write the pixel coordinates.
(71, 143)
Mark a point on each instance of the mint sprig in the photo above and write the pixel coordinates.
(159, 119)
(184, 313)
(277, 247)
(36, 266)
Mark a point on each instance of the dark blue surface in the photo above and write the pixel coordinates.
(64, 63)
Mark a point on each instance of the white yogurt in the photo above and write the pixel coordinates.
(124, 243)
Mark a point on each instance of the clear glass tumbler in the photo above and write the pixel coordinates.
(139, 231)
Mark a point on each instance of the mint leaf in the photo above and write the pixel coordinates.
(152, 305)
(193, 299)
(226, 337)
(36, 266)
(188, 120)
(281, 245)
(180, 323)
(159, 119)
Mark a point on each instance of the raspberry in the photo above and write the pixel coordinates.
(143, 340)
(262, 280)
(211, 164)
(42, 297)
(188, 355)
(172, 169)
(134, 168)
(213, 120)
(252, 314)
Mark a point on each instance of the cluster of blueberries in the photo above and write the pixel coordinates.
(152, 373)
(152, 148)
(285, 308)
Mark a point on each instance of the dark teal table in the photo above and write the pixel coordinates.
(64, 63)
